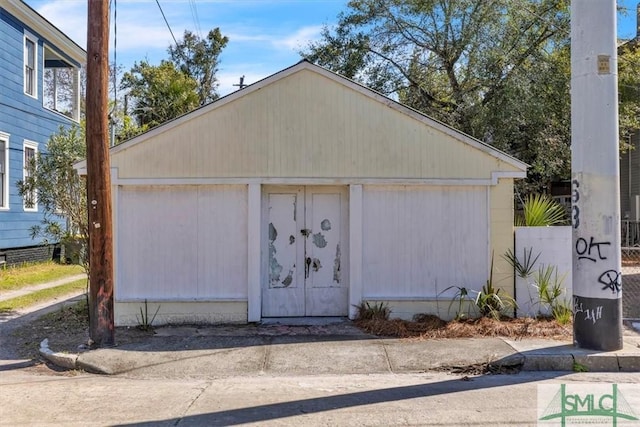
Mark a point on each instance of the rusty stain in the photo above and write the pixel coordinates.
(274, 267)
(336, 265)
(316, 264)
(319, 240)
(292, 239)
(325, 225)
(288, 280)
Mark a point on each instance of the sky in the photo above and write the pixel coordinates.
(265, 36)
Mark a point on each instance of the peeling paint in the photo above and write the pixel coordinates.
(325, 225)
(288, 280)
(292, 239)
(336, 265)
(319, 240)
(273, 233)
(295, 208)
(274, 267)
(316, 264)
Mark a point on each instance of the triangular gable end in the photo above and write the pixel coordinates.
(300, 113)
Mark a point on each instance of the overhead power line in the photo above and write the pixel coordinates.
(166, 22)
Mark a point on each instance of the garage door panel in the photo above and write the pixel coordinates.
(182, 242)
(222, 241)
(155, 243)
(417, 241)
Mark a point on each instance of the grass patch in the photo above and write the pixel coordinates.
(41, 296)
(16, 277)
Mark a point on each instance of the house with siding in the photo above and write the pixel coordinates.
(306, 194)
(39, 93)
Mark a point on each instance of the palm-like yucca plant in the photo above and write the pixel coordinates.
(541, 210)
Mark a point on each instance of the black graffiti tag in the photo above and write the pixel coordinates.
(575, 209)
(611, 280)
(585, 249)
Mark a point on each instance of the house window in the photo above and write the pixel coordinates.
(30, 198)
(30, 66)
(61, 85)
(4, 171)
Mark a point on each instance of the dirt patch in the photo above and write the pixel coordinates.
(67, 330)
(433, 327)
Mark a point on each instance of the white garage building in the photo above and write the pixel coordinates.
(303, 195)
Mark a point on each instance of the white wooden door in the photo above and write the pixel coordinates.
(306, 245)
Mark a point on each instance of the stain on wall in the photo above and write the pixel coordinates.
(319, 240)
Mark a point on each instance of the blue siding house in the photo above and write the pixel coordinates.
(39, 92)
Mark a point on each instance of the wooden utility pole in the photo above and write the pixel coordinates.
(101, 330)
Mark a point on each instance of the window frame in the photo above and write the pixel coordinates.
(75, 114)
(4, 199)
(29, 145)
(32, 39)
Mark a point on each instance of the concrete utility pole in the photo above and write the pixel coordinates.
(101, 330)
(597, 295)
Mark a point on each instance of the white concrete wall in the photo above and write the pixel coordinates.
(554, 246)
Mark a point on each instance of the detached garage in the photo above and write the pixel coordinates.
(303, 195)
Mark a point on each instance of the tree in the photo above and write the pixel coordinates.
(159, 93)
(60, 191)
(628, 90)
(477, 65)
(199, 58)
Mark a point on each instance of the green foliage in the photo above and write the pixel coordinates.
(541, 210)
(523, 268)
(579, 367)
(628, 91)
(145, 322)
(497, 70)
(549, 285)
(460, 297)
(493, 302)
(551, 293)
(178, 85)
(199, 58)
(160, 93)
(377, 311)
(60, 191)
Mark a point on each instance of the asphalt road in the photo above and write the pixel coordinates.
(34, 396)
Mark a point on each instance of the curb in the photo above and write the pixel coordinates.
(571, 362)
(519, 361)
(63, 360)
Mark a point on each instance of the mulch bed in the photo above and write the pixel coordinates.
(429, 326)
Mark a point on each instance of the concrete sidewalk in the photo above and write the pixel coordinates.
(337, 348)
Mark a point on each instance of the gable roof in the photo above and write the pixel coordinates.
(306, 65)
(28, 16)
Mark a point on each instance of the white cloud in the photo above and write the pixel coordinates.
(277, 40)
(301, 38)
(70, 17)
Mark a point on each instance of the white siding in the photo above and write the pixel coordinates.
(305, 125)
(182, 242)
(419, 240)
